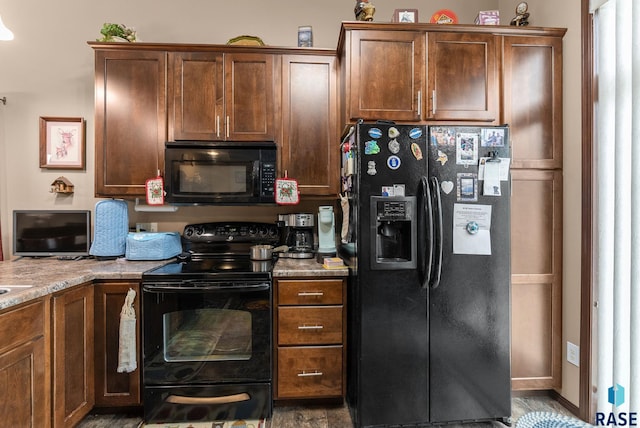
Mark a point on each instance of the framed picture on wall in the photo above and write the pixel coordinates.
(405, 15)
(62, 142)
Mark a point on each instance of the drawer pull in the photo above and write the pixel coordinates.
(235, 398)
(310, 327)
(310, 294)
(307, 374)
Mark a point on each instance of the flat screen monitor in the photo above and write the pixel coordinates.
(43, 233)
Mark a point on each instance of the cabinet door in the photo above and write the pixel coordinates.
(309, 123)
(73, 381)
(114, 389)
(249, 97)
(24, 376)
(536, 266)
(463, 77)
(196, 93)
(130, 103)
(386, 75)
(533, 100)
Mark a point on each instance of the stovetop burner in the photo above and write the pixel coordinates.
(222, 268)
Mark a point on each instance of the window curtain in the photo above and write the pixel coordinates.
(617, 199)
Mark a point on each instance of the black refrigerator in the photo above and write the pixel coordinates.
(429, 291)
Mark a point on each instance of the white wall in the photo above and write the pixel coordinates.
(48, 71)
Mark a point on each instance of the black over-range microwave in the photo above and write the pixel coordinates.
(220, 173)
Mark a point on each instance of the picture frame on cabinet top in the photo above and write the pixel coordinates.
(62, 142)
(405, 15)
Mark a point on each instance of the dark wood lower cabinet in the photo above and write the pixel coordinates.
(24, 376)
(310, 338)
(113, 389)
(72, 355)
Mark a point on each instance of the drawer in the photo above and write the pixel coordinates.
(310, 372)
(310, 292)
(309, 325)
(22, 324)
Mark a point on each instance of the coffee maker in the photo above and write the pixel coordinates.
(298, 235)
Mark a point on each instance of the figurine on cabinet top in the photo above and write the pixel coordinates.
(364, 10)
(522, 16)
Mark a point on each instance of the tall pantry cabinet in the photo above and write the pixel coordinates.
(483, 75)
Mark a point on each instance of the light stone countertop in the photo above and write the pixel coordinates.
(304, 267)
(48, 275)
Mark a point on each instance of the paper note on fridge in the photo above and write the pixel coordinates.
(504, 168)
(472, 229)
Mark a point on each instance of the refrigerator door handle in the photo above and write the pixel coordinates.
(425, 233)
(437, 271)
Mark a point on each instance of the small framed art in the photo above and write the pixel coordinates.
(62, 142)
(405, 15)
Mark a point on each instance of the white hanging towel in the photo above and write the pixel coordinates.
(127, 343)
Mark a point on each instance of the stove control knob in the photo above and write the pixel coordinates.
(188, 231)
(199, 230)
(252, 230)
(263, 231)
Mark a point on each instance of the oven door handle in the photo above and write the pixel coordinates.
(225, 399)
(192, 288)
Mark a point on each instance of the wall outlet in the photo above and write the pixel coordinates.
(573, 354)
(146, 227)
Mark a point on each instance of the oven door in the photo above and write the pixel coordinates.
(205, 332)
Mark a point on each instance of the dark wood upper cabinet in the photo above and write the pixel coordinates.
(216, 96)
(384, 74)
(131, 120)
(533, 100)
(309, 123)
(463, 77)
(196, 90)
(249, 97)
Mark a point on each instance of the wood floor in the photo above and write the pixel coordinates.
(329, 417)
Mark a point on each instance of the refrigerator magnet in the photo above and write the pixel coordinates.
(466, 148)
(442, 157)
(417, 152)
(394, 146)
(371, 148)
(492, 137)
(447, 186)
(467, 187)
(371, 168)
(415, 133)
(388, 191)
(154, 190)
(393, 162)
(375, 133)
